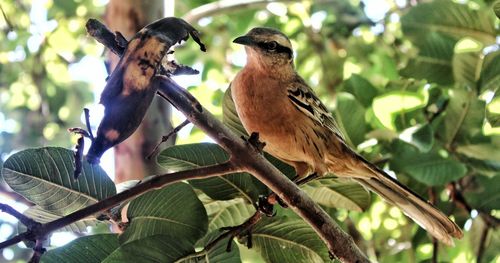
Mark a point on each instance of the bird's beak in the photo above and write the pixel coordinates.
(245, 40)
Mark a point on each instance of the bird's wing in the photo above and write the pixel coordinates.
(303, 97)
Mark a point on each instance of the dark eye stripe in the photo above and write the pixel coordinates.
(279, 48)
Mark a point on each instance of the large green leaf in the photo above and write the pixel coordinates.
(45, 177)
(496, 8)
(452, 19)
(467, 61)
(433, 61)
(493, 111)
(155, 248)
(464, 116)
(87, 249)
(288, 240)
(482, 193)
(388, 105)
(174, 210)
(421, 137)
(217, 253)
(490, 73)
(351, 118)
(184, 157)
(229, 114)
(361, 88)
(228, 213)
(337, 193)
(490, 243)
(43, 216)
(484, 157)
(428, 168)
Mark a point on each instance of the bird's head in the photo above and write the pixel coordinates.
(267, 47)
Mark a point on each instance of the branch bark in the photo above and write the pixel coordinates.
(224, 6)
(152, 183)
(250, 159)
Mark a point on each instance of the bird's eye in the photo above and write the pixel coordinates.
(272, 45)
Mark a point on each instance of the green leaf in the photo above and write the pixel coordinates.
(45, 177)
(361, 88)
(490, 73)
(496, 8)
(482, 193)
(155, 248)
(351, 118)
(228, 213)
(465, 115)
(491, 241)
(386, 106)
(467, 61)
(452, 19)
(174, 210)
(288, 240)
(184, 157)
(216, 253)
(484, 157)
(43, 216)
(85, 249)
(230, 116)
(493, 112)
(428, 168)
(421, 137)
(433, 61)
(337, 193)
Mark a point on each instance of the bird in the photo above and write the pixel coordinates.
(272, 100)
(130, 88)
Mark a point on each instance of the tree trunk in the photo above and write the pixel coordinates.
(128, 17)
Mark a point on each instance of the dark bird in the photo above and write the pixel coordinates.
(274, 101)
(129, 90)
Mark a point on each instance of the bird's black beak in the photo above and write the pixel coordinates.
(244, 40)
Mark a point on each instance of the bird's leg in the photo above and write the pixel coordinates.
(254, 141)
(305, 180)
(298, 180)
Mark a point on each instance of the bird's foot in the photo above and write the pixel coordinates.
(78, 153)
(254, 141)
(264, 207)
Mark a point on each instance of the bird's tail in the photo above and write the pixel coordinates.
(414, 206)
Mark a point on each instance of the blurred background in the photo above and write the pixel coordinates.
(409, 81)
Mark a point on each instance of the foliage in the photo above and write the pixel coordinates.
(416, 92)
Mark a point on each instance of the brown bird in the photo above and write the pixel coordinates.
(274, 101)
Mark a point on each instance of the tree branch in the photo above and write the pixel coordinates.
(28, 222)
(222, 6)
(152, 183)
(250, 159)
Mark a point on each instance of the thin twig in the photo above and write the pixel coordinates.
(482, 244)
(166, 137)
(225, 6)
(14, 240)
(28, 222)
(38, 251)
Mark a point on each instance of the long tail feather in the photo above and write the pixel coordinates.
(414, 206)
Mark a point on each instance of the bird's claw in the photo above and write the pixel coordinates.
(266, 207)
(254, 141)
